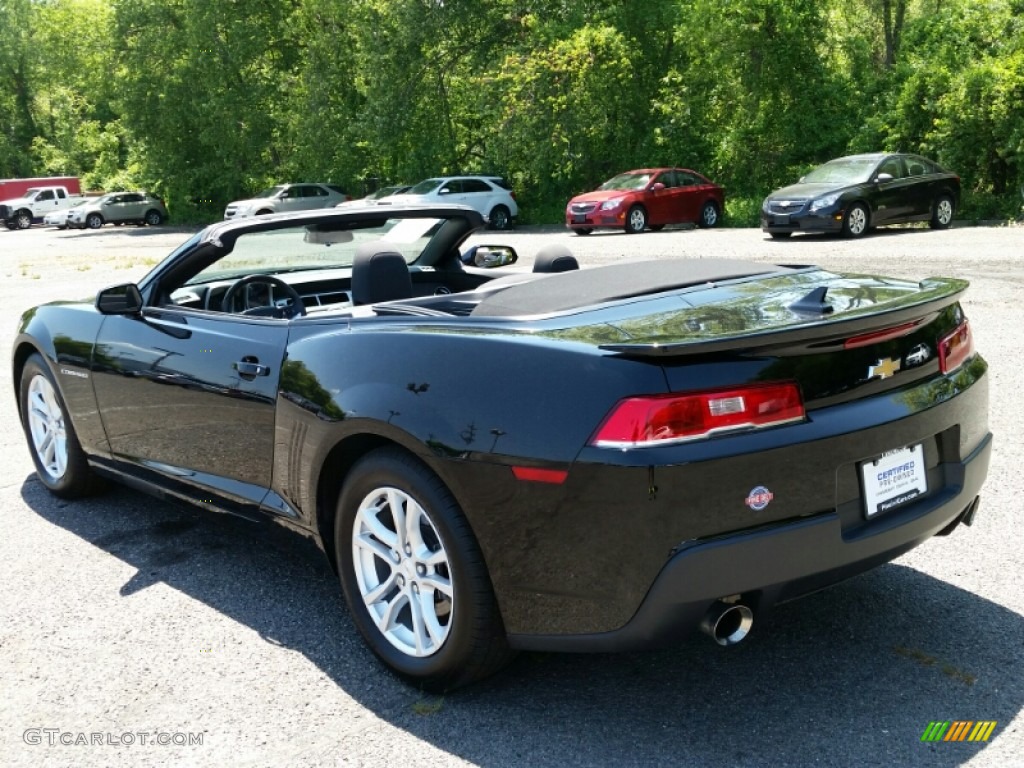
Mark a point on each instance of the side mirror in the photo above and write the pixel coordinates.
(883, 177)
(119, 300)
(657, 186)
(490, 256)
(444, 191)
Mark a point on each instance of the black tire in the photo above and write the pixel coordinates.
(44, 415)
(11, 224)
(857, 220)
(709, 215)
(94, 221)
(942, 212)
(499, 218)
(656, 227)
(583, 231)
(154, 218)
(636, 220)
(264, 212)
(780, 235)
(474, 643)
(23, 219)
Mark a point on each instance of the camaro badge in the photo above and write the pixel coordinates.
(883, 369)
(759, 498)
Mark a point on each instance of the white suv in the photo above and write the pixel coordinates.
(490, 195)
(287, 197)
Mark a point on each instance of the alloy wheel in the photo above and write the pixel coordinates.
(46, 426)
(403, 572)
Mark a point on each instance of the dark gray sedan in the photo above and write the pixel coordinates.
(855, 193)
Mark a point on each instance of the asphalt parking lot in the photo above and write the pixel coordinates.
(129, 622)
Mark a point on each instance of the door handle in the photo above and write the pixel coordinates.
(248, 368)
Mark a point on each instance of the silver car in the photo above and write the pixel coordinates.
(288, 197)
(118, 208)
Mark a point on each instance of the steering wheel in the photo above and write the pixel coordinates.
(241, 286)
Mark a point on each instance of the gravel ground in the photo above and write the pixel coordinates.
(127, 620)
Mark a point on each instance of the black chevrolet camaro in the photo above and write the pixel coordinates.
(852, 194)
(564, 459)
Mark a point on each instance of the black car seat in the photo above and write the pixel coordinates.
(554, 258)
(379, 275)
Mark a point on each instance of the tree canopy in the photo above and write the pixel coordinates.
(204, 101)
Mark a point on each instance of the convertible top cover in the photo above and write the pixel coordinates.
(588, 287)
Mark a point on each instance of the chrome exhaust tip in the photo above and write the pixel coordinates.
(727, 623)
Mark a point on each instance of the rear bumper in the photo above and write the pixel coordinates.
(778, 563)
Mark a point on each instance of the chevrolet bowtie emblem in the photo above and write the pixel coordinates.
(883, 369)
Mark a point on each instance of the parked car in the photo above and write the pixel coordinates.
(856, 193)
(490, 195)
(648, 198)
(285, 198)
(118, 208)
(59, 218)
(374, 197)
(36, 202)
(576, 459)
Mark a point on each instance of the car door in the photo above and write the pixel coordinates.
(291, 199)
(187, 399)
(920, 186)
(660, 203)
(451, 192)
(110, 208)
(890, 198)
(479, 195)
(131, 208)
(44, 203)
(691, 196)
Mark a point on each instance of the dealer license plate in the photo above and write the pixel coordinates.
(893, 479)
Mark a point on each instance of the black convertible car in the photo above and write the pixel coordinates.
(564, 459)
(853, 194)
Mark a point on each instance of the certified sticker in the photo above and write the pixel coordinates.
(759, 498)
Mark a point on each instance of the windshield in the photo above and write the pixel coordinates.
(425, 187)
(845, 170)
(269, 192)
(627, 181)
(297, 249)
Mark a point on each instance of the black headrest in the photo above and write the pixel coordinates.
(554, 258)
(379, 275)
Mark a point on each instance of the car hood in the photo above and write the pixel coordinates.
(600, 195)
(252, 201)
(15, 201)
(807, 191)
(404, 198)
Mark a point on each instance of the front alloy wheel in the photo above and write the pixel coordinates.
(59, 459)
(636, 220)
(855, 223)
(46, 428)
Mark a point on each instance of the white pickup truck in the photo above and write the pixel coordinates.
(22, 212)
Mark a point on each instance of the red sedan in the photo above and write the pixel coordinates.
(648, 198)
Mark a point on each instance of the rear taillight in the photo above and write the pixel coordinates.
(637, 422)
(955, 347)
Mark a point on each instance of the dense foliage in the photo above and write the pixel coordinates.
(204, 101)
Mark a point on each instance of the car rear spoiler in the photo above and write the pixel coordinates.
(821, 332)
